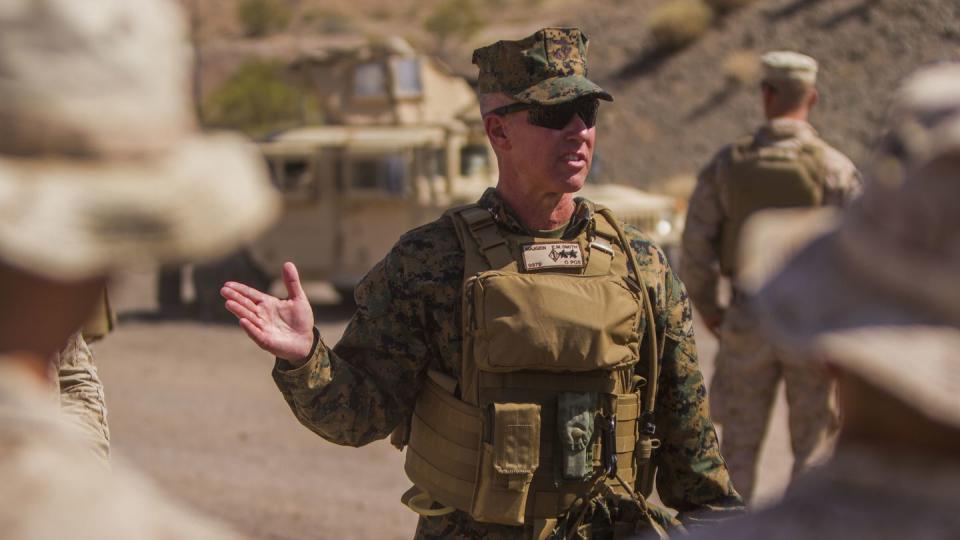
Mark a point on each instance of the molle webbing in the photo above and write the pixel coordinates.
(445, 447)
(467, 449)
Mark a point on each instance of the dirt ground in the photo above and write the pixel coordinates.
(193, 406)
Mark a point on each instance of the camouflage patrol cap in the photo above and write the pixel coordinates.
(546, 68)
(789, 66)
(101, 163)
(877, 295)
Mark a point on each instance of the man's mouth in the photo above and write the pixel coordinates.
(574, 158)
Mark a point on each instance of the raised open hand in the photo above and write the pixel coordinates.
(283, 328)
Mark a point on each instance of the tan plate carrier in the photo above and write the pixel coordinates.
(765, 177)
(487, 444)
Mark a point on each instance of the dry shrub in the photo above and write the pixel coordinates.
(459, 19)
(677, 23)
(726, 6)
(263, 17)
(742, 68)
(258, 99)
(330, 21)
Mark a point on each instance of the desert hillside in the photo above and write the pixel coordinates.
(672, 110)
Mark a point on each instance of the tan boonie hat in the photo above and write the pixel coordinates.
(789, 66)
(101, 164)
(546, 68)
(924, 116)
(878, 296)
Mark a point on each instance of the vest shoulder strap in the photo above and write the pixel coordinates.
(483, 245)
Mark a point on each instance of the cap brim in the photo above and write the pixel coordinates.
(69, 220)
(560, 90)
(820, 308)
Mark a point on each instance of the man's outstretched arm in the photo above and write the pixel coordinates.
(358, 391)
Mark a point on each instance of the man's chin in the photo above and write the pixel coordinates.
(571, 184)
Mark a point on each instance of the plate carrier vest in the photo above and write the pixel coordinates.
(548, 411)
(765, 177)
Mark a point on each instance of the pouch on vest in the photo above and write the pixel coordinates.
(576, 413)
(508, 463)
(556, 322)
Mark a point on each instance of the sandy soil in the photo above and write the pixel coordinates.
(193, 405)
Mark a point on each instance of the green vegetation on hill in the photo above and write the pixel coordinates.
(262, 17)
(257, 99)
(459, 19)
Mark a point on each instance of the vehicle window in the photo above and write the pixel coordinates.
(370, 81)
(296, 175)
(474, 161)
(293, 177)
(384, 173)
(406, 76)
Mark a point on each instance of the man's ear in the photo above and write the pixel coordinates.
(496, 132)
(813, 99)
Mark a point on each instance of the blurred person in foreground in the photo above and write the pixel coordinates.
(784, 164)
(876, 300)
(536, 358)
(101, 168)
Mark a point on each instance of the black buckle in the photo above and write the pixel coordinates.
(608, 429)
(647, 425)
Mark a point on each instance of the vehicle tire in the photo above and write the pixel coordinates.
(209, 278)
(169, 281)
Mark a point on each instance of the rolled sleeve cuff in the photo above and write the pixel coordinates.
(286, 374)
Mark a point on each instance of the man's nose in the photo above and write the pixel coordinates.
(576, 128)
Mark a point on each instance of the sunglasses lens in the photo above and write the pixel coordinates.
(558, 116)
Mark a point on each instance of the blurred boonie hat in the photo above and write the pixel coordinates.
(101, 163)
(878, 295)
(547, 68)
(789, 66)
(925, 116)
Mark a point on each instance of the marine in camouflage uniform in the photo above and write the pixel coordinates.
(409, 320)
(876, 299)
(748, 368)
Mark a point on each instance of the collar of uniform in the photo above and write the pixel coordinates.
(786, 128)
(508, 218)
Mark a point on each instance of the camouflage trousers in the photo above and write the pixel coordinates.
(748, 371)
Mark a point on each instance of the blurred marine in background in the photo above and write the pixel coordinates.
(784, 164)
(877, 300)
(101, 167)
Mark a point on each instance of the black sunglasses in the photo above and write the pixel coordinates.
(555, 116)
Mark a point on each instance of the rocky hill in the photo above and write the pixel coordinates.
(671, 114)
(672, 111)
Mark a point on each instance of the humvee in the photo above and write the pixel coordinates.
(404, 142)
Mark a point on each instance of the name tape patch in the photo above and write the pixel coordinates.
(554, 255)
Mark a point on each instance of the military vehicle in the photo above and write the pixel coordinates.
(404, 141)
